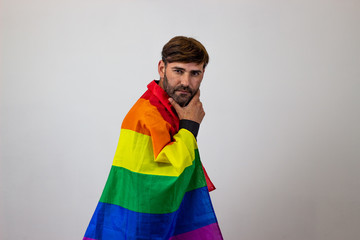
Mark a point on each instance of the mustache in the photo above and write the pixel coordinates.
(183, 88)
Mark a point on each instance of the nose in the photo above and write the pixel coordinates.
(185, 80)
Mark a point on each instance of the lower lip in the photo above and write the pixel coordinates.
(183, 92)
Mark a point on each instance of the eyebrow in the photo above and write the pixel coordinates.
(196, 71)
(178, 68)
(183, 69)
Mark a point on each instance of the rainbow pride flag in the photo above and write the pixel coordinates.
(156, 188)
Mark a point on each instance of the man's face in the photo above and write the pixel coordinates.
(180, 80)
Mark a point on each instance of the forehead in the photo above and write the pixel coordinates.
(186, 66)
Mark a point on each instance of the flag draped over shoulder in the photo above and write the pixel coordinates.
(156, 188)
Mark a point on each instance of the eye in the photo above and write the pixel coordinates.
(178, 71)
(195, 73)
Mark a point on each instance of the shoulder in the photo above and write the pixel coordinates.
(142, 116)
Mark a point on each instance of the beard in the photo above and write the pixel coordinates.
(181, 99)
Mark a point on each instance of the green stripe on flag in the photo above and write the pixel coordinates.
(151, 193)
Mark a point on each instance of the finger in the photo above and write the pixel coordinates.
(196, 98)
(197, 94)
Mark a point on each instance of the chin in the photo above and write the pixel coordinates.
(184, 103)
(181, 103)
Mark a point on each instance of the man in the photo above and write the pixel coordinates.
(157, 187)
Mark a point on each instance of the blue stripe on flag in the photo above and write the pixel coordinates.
(112, 222)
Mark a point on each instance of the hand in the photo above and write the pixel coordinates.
(194, 111)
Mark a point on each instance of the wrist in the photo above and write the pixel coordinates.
(190, 125)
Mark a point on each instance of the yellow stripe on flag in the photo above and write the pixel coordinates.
(135, 153)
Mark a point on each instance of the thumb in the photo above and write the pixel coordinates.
(174, 104)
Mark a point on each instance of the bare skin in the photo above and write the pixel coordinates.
(182, 82)
(193, 111)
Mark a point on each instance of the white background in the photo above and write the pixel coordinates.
(281, 136)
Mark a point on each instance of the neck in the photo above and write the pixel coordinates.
(161, 83)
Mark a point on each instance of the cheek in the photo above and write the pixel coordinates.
(196, 83)
(172, 80)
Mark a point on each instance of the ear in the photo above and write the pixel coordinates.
(161, 69)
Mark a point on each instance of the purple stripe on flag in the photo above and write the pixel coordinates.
(85, 238)
(209, 232)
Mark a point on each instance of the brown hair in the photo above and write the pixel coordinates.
(184, 49)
